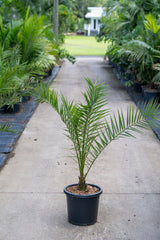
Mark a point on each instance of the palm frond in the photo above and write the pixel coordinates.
(156, 66)
(141, 52)
(7, 127)
(35, 47)
(150, 24)
(89, 132)
(119, 126)
(156, 77)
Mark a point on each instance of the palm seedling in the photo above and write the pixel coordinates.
(6, 127)
(87, 127)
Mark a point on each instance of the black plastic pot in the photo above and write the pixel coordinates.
(82, 209)
(150, 94)
(10, 109)
(25, 99)
(137, 87)
(123, 82)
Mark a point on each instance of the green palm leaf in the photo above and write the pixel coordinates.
(86, 125)
(6, 127)
(140, 50)
(150, 24)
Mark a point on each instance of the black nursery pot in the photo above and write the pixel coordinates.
(25, 99)
(10, 109)
(82, 209)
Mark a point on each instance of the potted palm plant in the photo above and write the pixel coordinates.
(90, 134)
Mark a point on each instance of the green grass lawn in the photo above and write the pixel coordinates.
(84, 45)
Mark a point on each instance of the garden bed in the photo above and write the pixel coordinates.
(19, 121)
(136, 96)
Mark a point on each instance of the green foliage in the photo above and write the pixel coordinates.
(35, 48)
(69, 10)
(6, 127)
(63, 18)
(150, 24)
(63, 53)
(87, 127)
(27, 49)
(134, 31)
(13, 76)
(144, 55)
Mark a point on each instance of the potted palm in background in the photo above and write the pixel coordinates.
(27, 52)
(91, 129)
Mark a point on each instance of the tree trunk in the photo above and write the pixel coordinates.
(56, 19)
(82, 183)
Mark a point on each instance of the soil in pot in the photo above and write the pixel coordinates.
(89, 190)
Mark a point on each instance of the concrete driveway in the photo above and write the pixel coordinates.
(32, 203)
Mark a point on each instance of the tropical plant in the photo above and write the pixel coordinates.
(145, 55)
(63, 53)
(63, 18)
(86, 127)
(9, 85)
(36, 49)
(9, 33)
(120, 20)
(145, 50)
(33, 38)
(135, 47)
(14, 76)
(11, 9)
(124, 20)
(156, 78)
(6, 127)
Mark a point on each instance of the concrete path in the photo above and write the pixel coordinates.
(32, 203)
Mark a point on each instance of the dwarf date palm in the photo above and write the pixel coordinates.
(89, 125)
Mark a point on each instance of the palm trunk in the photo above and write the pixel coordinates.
(82, 183)
(56, 20)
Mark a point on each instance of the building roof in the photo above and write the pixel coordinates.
(94, 12)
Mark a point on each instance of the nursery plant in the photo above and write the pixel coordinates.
(13, 75)
(6, 127)
(145, 51)
(133, 28)
(36, 49)
(91, 129)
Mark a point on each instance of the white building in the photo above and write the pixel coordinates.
(94, 15)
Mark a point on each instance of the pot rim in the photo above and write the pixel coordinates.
(83, 196)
